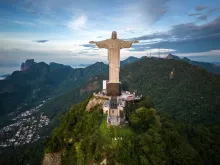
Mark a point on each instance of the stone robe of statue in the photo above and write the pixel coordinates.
(114, 45)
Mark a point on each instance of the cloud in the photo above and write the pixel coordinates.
(207, 56)
(187, 31)
(83, 52)
(89, 45)
(153, 36)
(211, 11)
(24, 23)
(203, 17)
(129, 30)
(193, 14)
(78, 23)
(186, 37)
(41, 41)
(200, 8)
(191, 45)
(147, 11)
(153, 10)
(207, 14)
(17, 49)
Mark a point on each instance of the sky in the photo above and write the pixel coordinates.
(60, 30)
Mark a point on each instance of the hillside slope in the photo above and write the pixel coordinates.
(192, 95)
(41, 81)
(211, 67)
(150, 139)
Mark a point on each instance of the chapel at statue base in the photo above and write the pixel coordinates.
(115, 104)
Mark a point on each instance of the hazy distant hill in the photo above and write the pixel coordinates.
(208, 66)
(129, 60)
(216, 63)
(5, 75)
(54, 66)
(123, 62)
(41, 81)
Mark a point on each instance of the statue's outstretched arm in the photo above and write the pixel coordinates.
(100, 44)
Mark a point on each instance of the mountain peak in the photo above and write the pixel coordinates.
(54, 65)
(186, 59)
(131, 57)
(97, 64)
(28, 63)
(171, 56)
(128, 60)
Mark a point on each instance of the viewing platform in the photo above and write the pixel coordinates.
(114, 106)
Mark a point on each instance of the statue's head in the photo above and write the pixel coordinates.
(114, 35)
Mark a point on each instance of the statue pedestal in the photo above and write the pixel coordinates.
(113, 89)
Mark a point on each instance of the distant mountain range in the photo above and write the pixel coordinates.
(211, 67)
(4, 76)
(84, 65)
(123, 62)
(216, 63)
(129, 60)
(208, 66)
(41, 80)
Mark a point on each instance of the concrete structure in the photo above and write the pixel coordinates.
(114, 106)
(104, 84)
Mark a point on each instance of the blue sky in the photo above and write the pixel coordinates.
(59, 30)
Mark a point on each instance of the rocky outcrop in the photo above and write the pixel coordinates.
(172, 57)
(28, 63)
(94, 101)
(171, 74)
(52, 159)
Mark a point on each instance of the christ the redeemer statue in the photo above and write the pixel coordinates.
(113, 45)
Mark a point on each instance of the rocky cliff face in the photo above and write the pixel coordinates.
(52, 159)
(94, 101)
(28, 63)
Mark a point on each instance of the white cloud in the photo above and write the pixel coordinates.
(25, 23)
(208, 53)
(78, 23)
(129, 30)
(50, 46)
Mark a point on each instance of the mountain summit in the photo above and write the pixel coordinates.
(170, 56)
(28, 63)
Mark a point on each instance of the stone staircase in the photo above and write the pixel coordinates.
(114, 121)
(113, 112)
